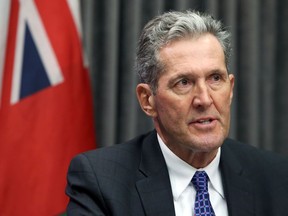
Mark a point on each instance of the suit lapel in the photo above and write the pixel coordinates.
(155, 191)
(238, 189)
(154, 185)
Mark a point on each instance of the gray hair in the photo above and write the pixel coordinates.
(171, 26)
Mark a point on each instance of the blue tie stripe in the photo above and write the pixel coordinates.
(202, 206)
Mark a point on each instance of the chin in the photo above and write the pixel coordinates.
(207, 144)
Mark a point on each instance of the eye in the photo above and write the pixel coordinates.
(182, 86)
(217, 80)
(183, 82)
(216, 77)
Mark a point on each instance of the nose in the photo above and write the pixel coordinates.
(201, 96)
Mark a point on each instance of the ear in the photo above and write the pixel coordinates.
(232, 81)
(146, 99)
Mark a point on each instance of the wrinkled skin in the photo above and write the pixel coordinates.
(191, 106)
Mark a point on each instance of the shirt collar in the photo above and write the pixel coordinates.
(181, 173)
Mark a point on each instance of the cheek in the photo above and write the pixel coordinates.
(223, 103)
(172, 108)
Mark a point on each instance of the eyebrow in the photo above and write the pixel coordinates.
(189, 75)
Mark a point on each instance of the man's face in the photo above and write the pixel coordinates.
(192, 102)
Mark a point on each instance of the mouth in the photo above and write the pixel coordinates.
(205, 122)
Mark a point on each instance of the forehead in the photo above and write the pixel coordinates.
(199, 53)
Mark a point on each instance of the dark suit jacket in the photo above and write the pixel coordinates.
(132, 179)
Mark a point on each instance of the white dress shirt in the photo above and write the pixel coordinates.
(184, 193)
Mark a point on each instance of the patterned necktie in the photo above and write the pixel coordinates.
(202, 206)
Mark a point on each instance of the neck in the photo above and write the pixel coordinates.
(200, 159)
(195, 159)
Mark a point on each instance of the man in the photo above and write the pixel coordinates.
(187, 164)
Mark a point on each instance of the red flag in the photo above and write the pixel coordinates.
(45, 109)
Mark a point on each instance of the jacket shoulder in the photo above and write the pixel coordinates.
(254, 158)
(126, 154)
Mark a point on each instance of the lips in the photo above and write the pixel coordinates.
(203, 120)
(203, 123)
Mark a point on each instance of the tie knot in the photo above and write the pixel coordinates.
(200, 181)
